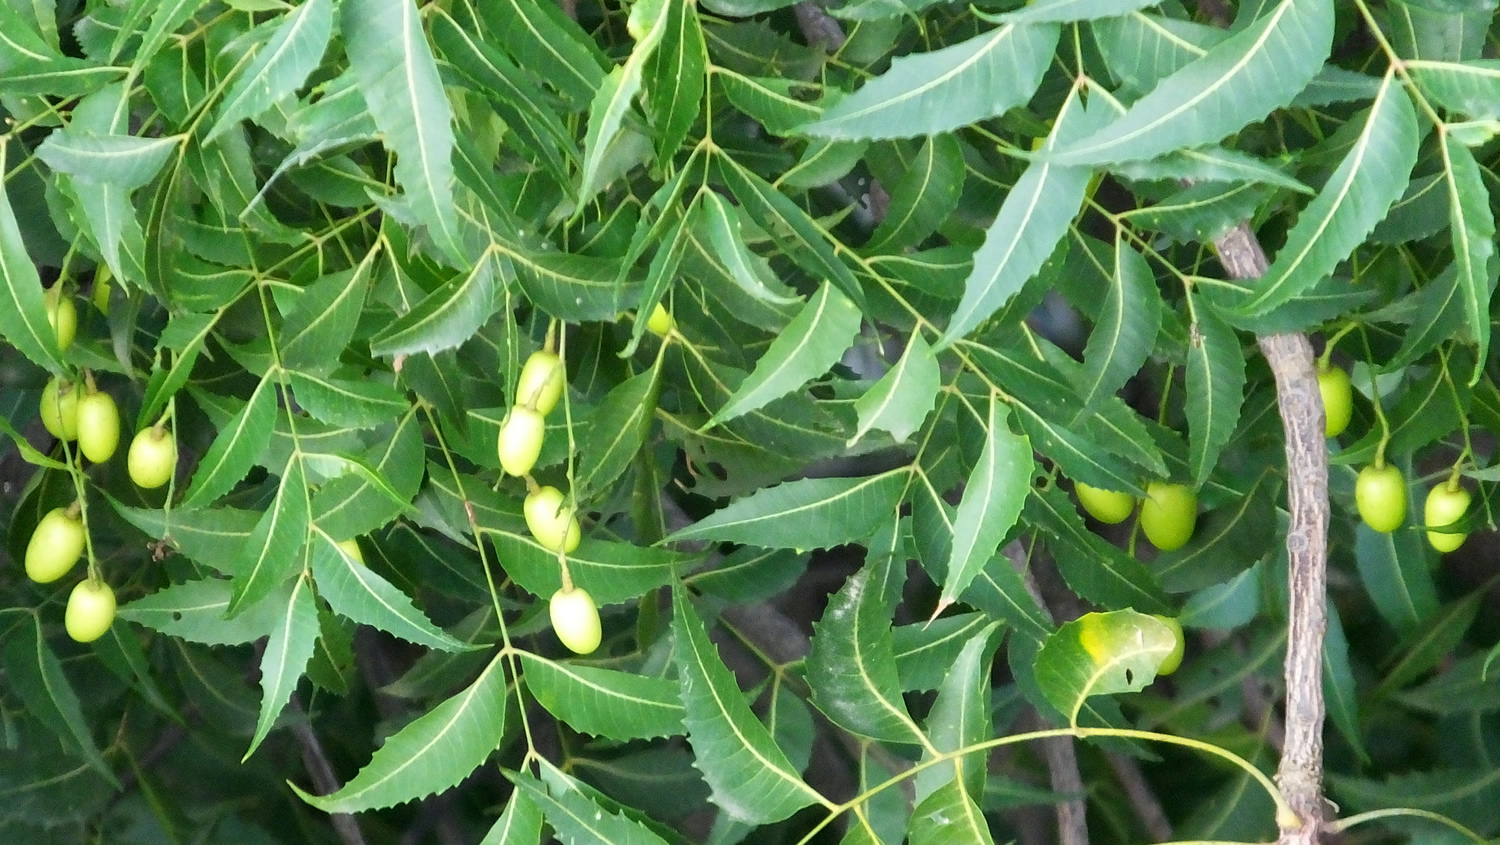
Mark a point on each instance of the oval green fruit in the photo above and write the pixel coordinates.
(59, 408)
(55, 545)
(62, 315)
(1169, 513)
(541, 382)
(152, 458)
(661, 322)
(1104, 505)
(98, 426)
(554, 527)
(1173, 659)
(1380, 496)
(520, 440)
(575, 619)
(91, 610)
(1445, 506)
(1338, 400)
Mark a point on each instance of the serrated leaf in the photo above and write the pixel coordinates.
(1464, 795)
(1472, 225)
(992, 500)
(960, 718)
(1215, 391)
(1033, 218)
(1372, 176)
(1096, 570)
(543, 39)
(948, 816)
(770, 100)
(444, 318)
(852, 667)
(674, 76)
(236, 449)
(285, 658)
(925, 651)
(325, 317)
(1471, 88)
(611, 572)
(750, 271)
(904, 396)
(1125, 332)
(347, 404)
(1101, 654)
(811, 343)
(750, 776)
(520, 824)
(809, 513)
(1393, 568)
(280, 67)
(432, 753)
(1239, 80)
(399, 79)
(125, 161)
(575, 287)
(1339, 688)
(274, 551)
(354, 504)
(1064, 11)
(23, 312)
(355, 591)
(617, 430)
(35, 674)
(1080, 457)
(942, 90)
(647, 23)
(579, 820)
(923, 198)
(605, 702)
(195, 610)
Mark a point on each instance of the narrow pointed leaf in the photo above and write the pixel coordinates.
(399, 79)
(960, 717)
(948, 816)
(355, 591)
(1394, 570)
(810, 513)
(648, 22)
(1472, 225)
(1064, 11)
(605, 702)
(852, 666)
(34, 673)
(675, 77)
(125, 161)
(810, 344)
(23, 312)
(1372, 176)
(1215, 391)
(716, 220)
(1096, 570)
(904, 396)
(325, 317)
(236, 449)
(544, 40)
(281, 66)
(1471, 88)
(285, 658)
(195, 610)
(1239, 80)
(928, 93)
(430, 754)
(520, 824)
(926, 194)
(444, 318)
(345, 403)
(579, 820)
(750, 776)
(1125, 333)
(274, 550)
(612, 572)
(616, 432)
(992, 500)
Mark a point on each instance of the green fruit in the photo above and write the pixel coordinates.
(661, 322)
(55, 545)
(553, 526)
(60, 409)
(1169, 513)
(100, 296)
(98, 426)
(152, 459)
(521, 440)
(1173, 659)
(575, 618)
(1446, 505)
(91, 610)
(62, 315)
(1338, 400)
(1104, 505)
(541, 382)
(351, 548)
(1380, 496)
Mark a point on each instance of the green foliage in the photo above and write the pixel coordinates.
(927, 267)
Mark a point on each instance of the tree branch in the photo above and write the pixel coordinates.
(1300, 774)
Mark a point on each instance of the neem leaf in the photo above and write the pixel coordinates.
(1101, 654)
(809, 513)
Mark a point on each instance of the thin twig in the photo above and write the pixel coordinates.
(324, 782)
(1142, 799)
(1300, 773)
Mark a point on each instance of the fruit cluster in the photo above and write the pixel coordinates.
(73, 410)
(1169, 513)
(549, 517)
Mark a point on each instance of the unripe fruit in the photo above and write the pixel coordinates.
(1169, 513)
(1173, 660)
(520, 440)
(100, 296)
(553, 527)
(575, 618)
(153, 457)
(54, 547)
(1445, 506)
(1104, 505)
(1338, 400)
(1380, 496)
(91, 610)
(62, 315)
(541, 382)
(661, 322)
(98, 426)
(60, 409)
(351, 548)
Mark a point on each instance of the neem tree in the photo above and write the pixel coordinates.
(509, 387)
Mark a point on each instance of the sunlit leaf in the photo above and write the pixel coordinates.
(1101, 654)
